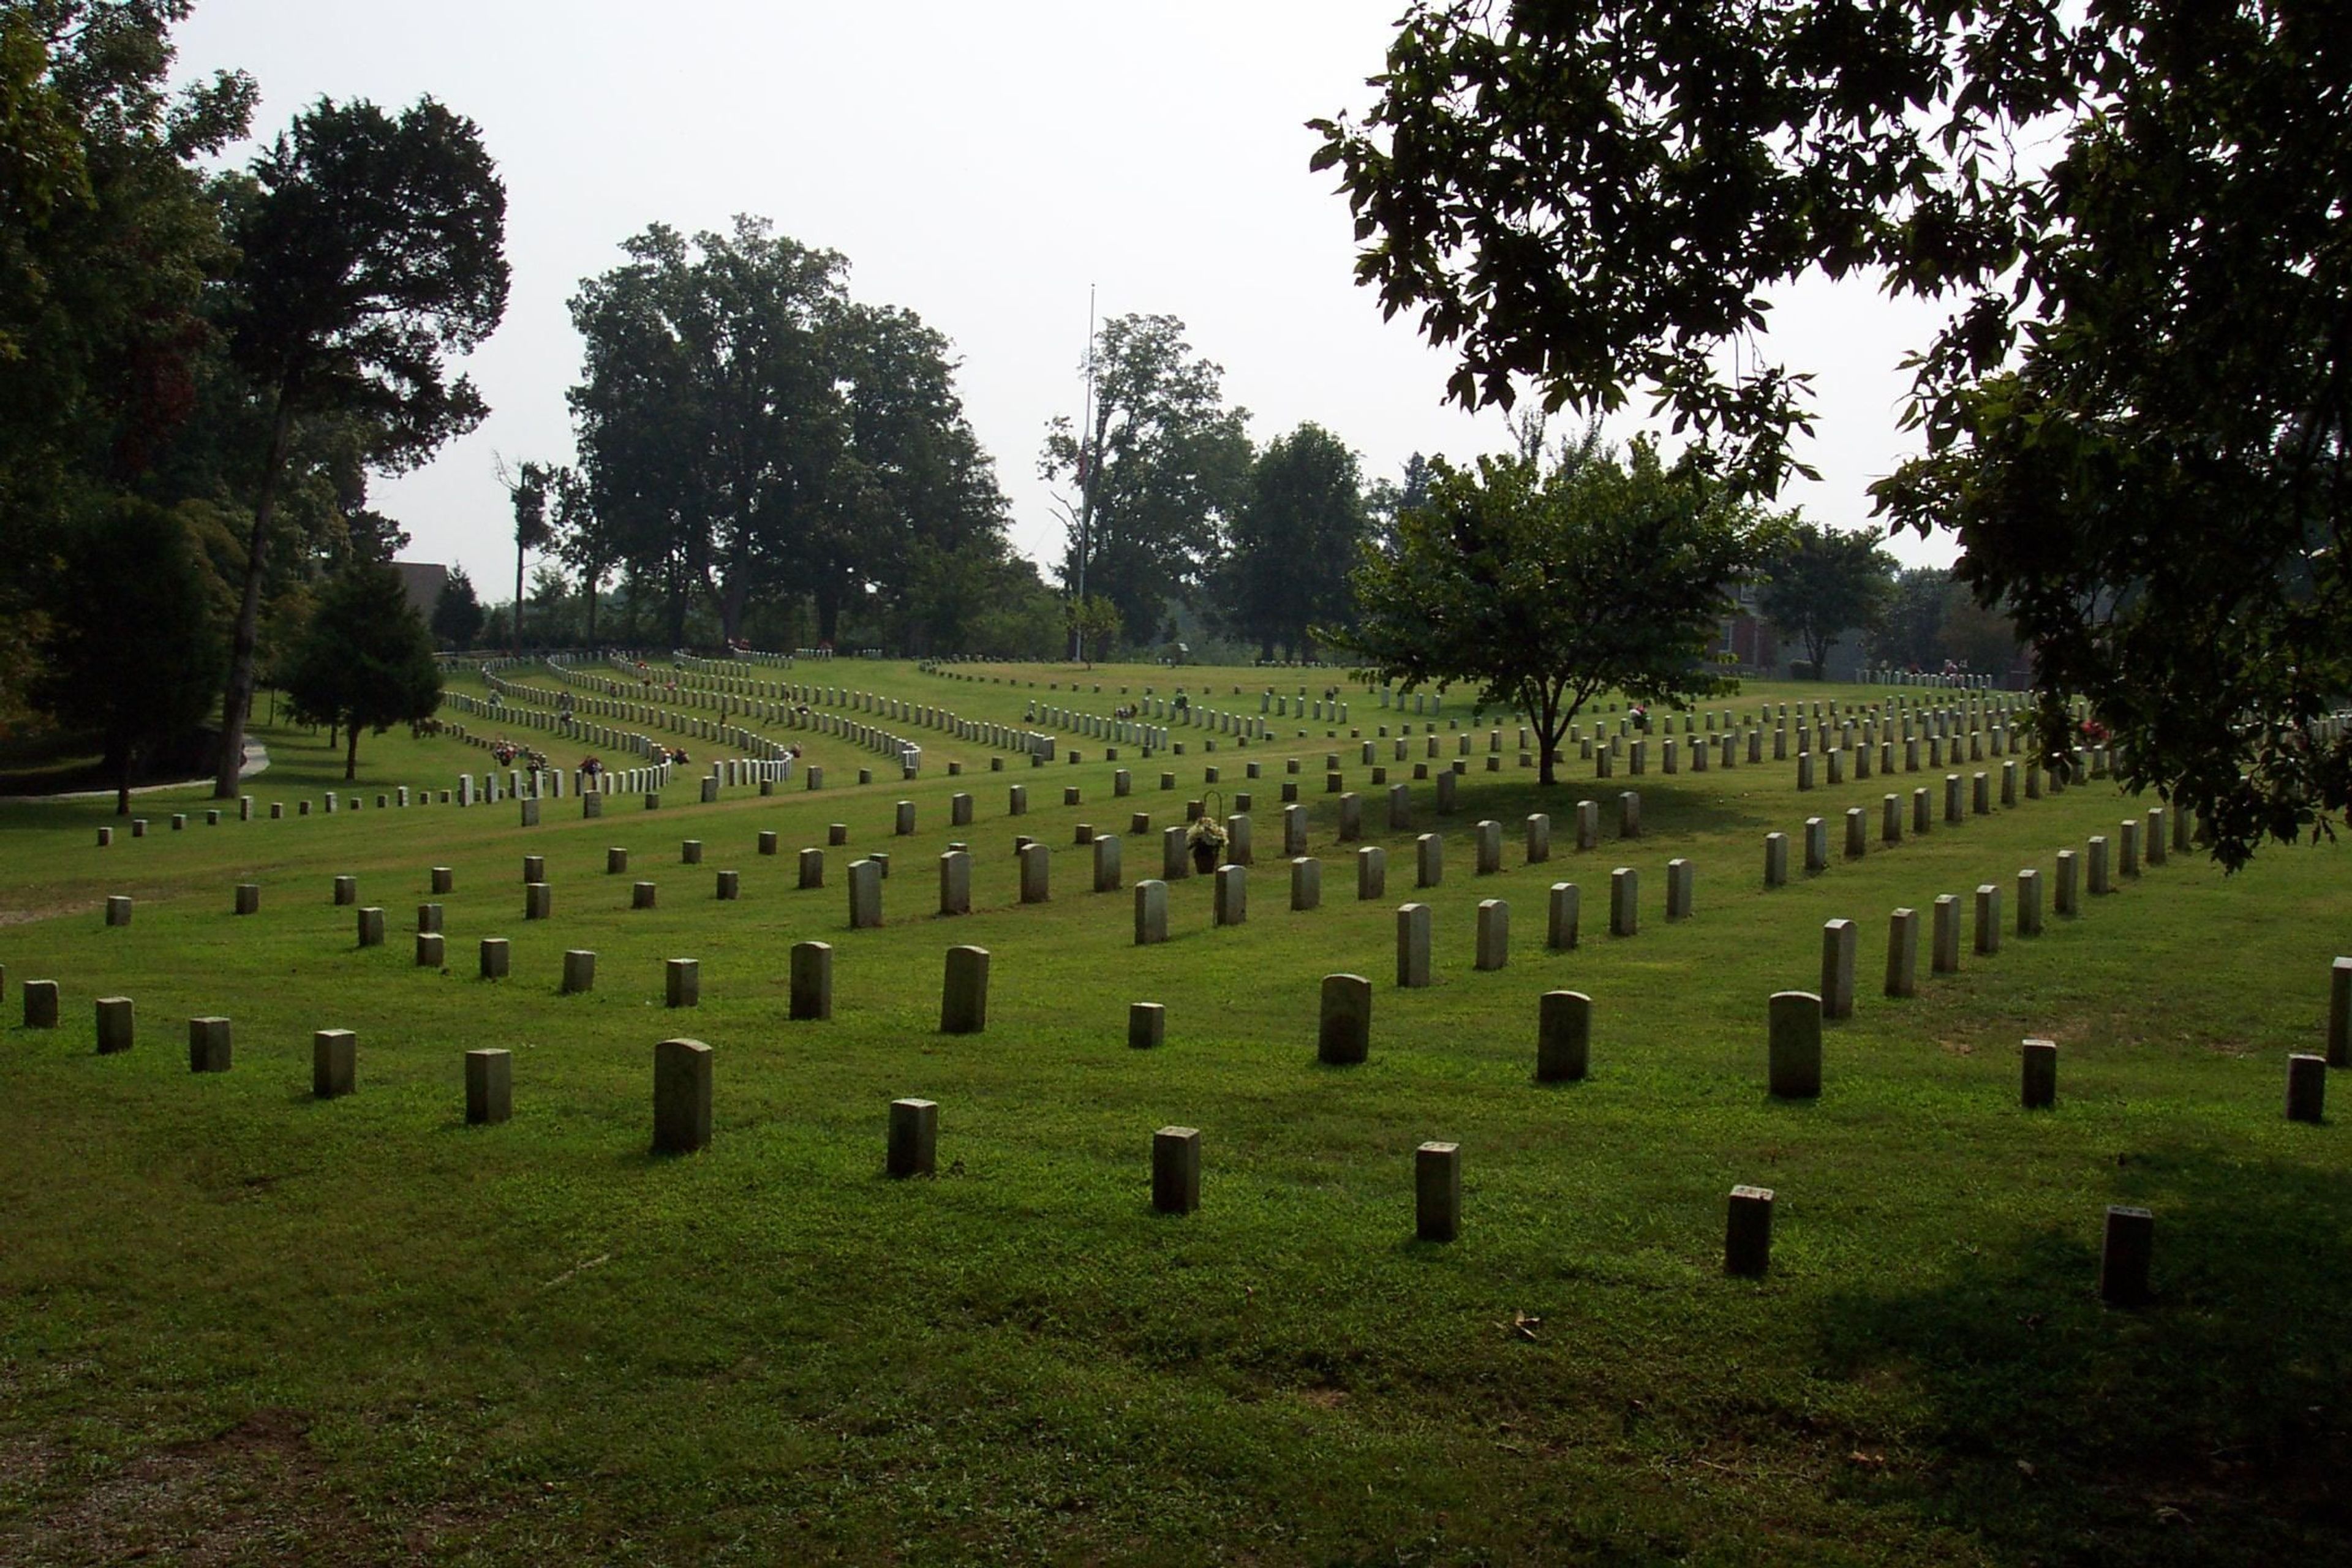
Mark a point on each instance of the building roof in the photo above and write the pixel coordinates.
(422, 579)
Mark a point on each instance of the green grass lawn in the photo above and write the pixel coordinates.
(238, 1324)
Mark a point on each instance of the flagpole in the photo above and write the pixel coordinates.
(1086, 456)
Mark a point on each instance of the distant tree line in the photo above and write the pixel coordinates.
(1171, 513)
(761, 456)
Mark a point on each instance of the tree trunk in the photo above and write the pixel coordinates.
(1551, 729)
(590, 586)
(731, 599)
(123, 781)
(237, 706)
(676, 587)
(351, 757)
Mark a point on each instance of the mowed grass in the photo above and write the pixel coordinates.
(238, 1324)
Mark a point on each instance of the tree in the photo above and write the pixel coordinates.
(528, 489)
(371, 248)
(364, 659)
(1546, 585)
(1820, 584)
(1094, 623)
(746, 430)
(1162, 466)
(1291, 544)
(132, 653)
(1911, 628)
(107, 237)
(706, 412)
(1022, 618)
(457, 612)
(369, 535)
(582, 541)
(2137, 417)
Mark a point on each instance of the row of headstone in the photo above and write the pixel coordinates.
(1117, 730)
(565, 718)
(1793, 1034)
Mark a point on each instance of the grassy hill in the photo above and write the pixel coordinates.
(238, 1323)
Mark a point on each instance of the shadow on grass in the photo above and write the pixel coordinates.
(2214, 1426)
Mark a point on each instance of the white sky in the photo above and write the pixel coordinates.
(981, 165)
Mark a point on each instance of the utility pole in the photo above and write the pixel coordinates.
(1087, 454)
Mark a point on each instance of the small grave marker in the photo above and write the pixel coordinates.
(681, 983)
(1231, 907)
(963, 992)
(1679, 892)
(1345, 1035)
(1493, 934)
(811, 980)
(1946, 958)
(1150, 912)
(1840, 938)
(1903, 954)
(1562, 915)
(2306, 1087)
(2339, 1013)
(1748, 1233)
(1563, 1036)
(1437, 1192)
(1176, 1170)
(208, 1045)
(489, 1084)
(117, 1024)
(1624, 901)
(681, 1097)
(1413, 927)
(2038, 1074)
(914, 1138)
(1987, 923)
(2124, 1256)
(334, 1063)
(1794, 1070)
(864, 894)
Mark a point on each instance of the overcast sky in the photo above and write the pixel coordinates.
(979, 165)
